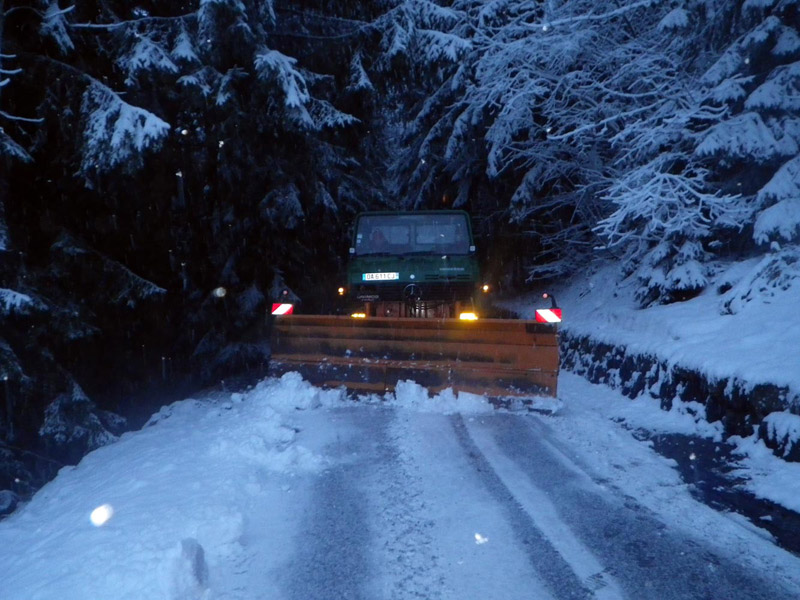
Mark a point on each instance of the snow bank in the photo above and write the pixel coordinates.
(175, 500)
(733, 348)
(744, 325)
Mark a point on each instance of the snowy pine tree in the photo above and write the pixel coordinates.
(692, 187)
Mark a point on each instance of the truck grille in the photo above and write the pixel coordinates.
(447, 278)
(430, 290)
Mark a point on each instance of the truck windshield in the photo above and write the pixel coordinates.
(413, 234)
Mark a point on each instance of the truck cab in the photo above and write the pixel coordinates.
(412, 264)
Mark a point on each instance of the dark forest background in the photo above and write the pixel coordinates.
(166, 168)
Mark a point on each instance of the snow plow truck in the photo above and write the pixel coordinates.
(417, 310)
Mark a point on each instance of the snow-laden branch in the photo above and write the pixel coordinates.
(612, 14)
(782, 219)
(273, 65)
(133, 22)
(115, 132)
(746, 136)
(11, 117)
(145, 56)
(607, 121)
(54, 25)
(13, 302)
(662, 200)
(4, 242)
(9, 147)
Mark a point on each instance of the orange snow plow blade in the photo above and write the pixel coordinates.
(492, 357)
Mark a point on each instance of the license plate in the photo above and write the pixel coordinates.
(379, 276)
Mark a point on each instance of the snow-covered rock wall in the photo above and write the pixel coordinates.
(774, 410)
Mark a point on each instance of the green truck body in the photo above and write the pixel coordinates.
(422, 257)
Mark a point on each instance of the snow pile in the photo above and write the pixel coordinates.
(782, 432)
(411, 395)
(173, 500)
(766, 475)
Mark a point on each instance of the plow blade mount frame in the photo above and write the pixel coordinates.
(492, 357)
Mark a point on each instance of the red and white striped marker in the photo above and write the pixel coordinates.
(548, 315)
(282, 309)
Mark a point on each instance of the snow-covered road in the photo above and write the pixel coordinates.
(447, 506)
(289, 493)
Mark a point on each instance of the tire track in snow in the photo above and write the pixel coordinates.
(332, 558)
(568, 569)
(650, 560)
(463, 542)
(367, 534)
(409, 564)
